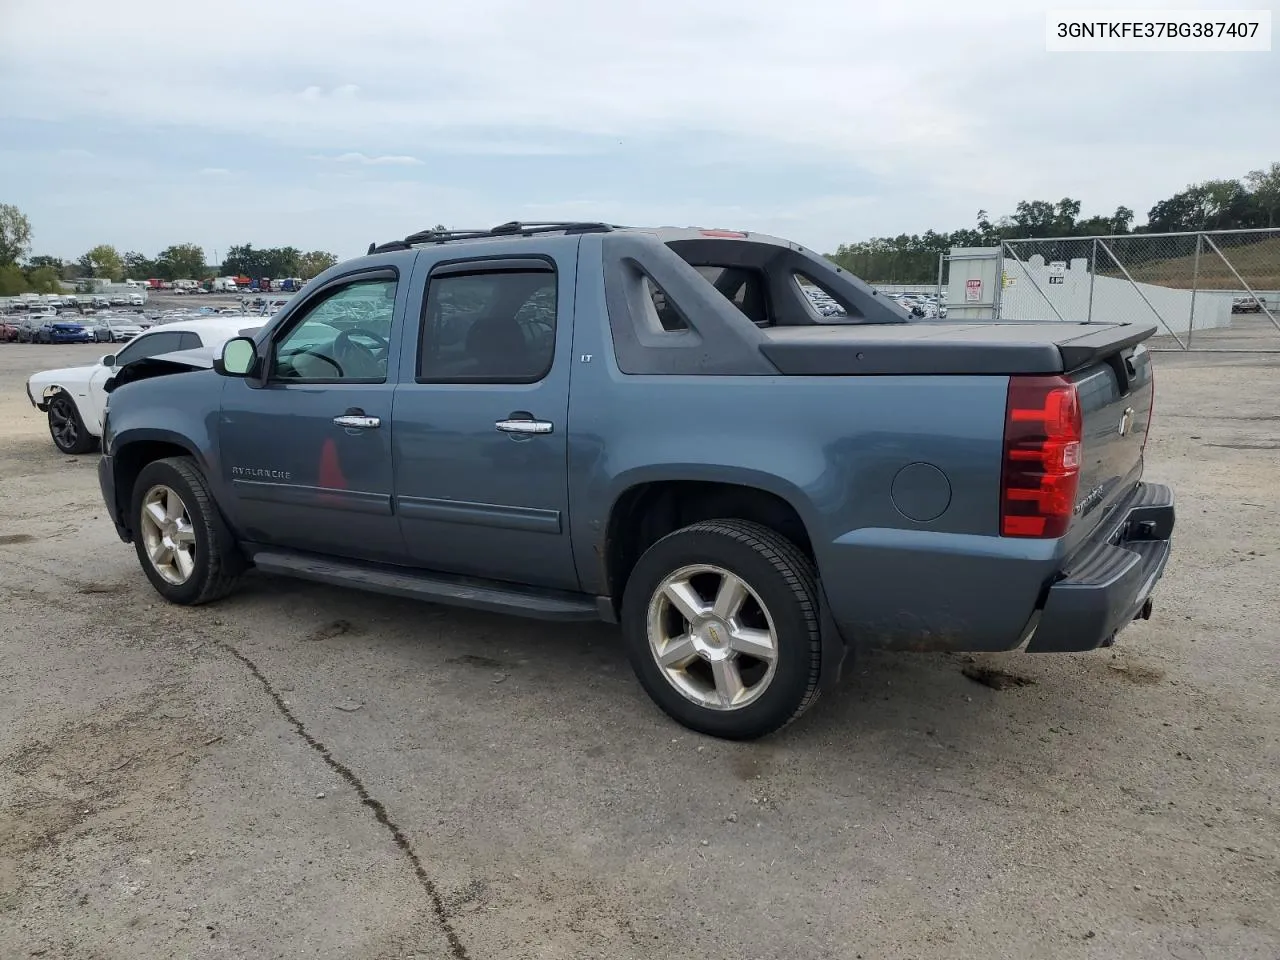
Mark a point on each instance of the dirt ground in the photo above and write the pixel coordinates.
(306, 771)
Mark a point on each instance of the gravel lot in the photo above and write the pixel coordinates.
(306, 771)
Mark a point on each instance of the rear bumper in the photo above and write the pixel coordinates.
(1109, 583)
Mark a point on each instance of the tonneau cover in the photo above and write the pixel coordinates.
(941, 347)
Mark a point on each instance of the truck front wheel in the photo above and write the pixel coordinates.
(721, 624)
(183, 545)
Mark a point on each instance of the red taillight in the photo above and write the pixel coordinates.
(1043, 429)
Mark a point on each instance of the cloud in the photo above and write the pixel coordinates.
(389, 160)
(346, 91)
(833, 121)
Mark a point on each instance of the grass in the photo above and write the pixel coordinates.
(1257, 261)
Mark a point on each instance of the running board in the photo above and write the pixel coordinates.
(492, 595)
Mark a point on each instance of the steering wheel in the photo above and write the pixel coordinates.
(325, 357)
(342, 342)
(358, 357)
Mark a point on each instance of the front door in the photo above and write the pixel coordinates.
(307, 455)
(481, 451)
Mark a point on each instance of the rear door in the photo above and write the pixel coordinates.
(307, 455)
(480, 443)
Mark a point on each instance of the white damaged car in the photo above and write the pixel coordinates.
(74, 397)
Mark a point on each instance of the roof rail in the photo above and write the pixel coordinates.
(513, 228)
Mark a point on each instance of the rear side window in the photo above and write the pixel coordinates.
(488, 326)
(821, 299)
(151, 345)
(665, 314)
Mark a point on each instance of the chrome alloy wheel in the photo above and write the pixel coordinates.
(712, 637)
(167, 534)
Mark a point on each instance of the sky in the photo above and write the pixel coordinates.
(328, 125)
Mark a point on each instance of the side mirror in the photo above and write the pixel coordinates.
(239, 356)
(108, 360)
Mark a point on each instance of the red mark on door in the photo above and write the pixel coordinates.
(330, 468)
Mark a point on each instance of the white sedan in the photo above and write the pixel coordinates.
(75, 397)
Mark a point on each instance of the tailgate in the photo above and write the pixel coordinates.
(1116, 395)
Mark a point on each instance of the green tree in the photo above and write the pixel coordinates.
(103, 261)
(182, 261)
(1212, 205)
(45, 280)
(314, 263)
(15, 234)
(35, 263)
(138, 266)
(1121, 220)
(282, 262)
(242, 260)
(1265, 187)
(274, 262)
(12, 281)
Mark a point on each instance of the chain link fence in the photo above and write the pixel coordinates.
(1205, 291)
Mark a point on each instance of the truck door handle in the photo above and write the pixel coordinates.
(524, 427)
(358, 421)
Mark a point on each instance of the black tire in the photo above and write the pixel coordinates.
(218, 560)
(67, 428)
(786, 583)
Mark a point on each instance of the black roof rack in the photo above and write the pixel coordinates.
(513, 228)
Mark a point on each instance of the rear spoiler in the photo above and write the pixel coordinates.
(1089, 348)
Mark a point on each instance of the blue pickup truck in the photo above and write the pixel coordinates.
(658, 428)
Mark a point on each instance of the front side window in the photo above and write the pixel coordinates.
(488, 327)
(343, 337)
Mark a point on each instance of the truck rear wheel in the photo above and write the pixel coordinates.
(721, 624)
(182, 542)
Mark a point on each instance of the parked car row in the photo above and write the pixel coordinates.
(48, 326)
(919, 306)
(64, 329)
(31, 302)
(73, 398)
